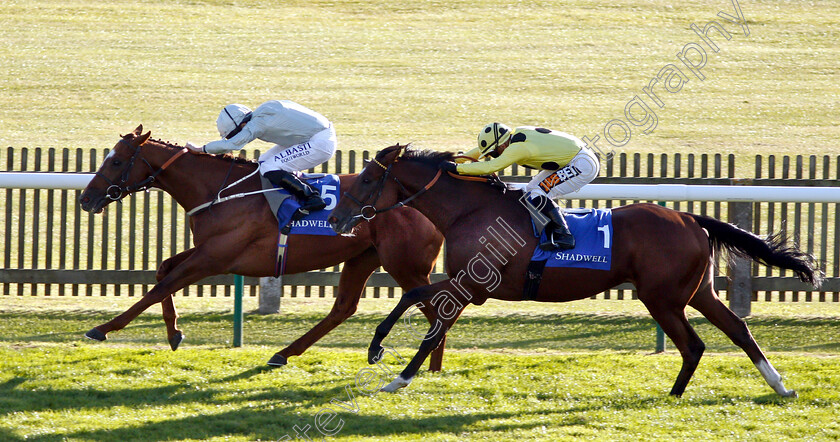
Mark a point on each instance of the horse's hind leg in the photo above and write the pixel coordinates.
(707, 303)
(690, 346)
(666, 303)
(354, 276)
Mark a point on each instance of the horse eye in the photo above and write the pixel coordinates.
(117, 162)
(366, 181)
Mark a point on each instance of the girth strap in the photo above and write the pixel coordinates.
(533, 278)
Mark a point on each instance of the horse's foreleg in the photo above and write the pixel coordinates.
(410, 280)
(436, 358)
(354, 276)
(422, 294)
(433, 339)
(409, 298)
(170, 316)
(190, 270)
(411, 270)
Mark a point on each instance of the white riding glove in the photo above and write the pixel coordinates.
(194, 148)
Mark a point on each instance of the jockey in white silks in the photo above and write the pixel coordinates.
(302, 140)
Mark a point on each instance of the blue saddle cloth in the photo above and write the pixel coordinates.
(315, 223)
(592, 229)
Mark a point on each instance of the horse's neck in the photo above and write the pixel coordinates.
(450, 202)
(196, 179)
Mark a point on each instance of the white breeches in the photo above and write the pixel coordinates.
(300, 157)
(583, 168)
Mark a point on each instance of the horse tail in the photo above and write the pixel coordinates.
(773, 251)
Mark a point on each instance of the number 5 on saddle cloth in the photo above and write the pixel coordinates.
(284, 208)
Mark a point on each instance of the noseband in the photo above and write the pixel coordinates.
(369, 211)
(118, 191)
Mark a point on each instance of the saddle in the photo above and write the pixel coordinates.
(274, 199)
(285, 211)
(284, 208)
(593, 232)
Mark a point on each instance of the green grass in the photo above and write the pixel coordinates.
(548, 372)
(516, 331)
(113, 393)
(79, 73)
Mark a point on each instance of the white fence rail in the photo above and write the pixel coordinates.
(652, 192)
(741, 285)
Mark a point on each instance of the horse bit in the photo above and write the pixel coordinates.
(371, 209)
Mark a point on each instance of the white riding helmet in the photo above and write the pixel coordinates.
(493, 135)
(230, 118)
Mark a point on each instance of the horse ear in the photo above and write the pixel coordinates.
(138, 131)
(390, 154)
(143, 138)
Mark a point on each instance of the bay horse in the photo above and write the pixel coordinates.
(668, 256)
(240, 235)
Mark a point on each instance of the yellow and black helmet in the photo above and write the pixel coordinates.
(492, 136)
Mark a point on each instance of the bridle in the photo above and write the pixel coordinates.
(118, 191)
(369, 211)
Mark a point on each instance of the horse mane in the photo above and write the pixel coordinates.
(423, 156)
(226, 157)
(434, 158)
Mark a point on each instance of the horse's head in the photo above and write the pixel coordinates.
(369, 191)
(394, 178)
(118, 175)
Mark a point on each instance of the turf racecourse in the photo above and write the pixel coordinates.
(544, 373)
(78, 73)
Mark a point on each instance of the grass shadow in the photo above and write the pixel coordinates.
(273, 424)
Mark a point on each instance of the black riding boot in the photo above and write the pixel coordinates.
(557, 231)
(310, 199)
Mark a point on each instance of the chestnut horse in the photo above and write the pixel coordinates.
(240, 235)
(666, 254)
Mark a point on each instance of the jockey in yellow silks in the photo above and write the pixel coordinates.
(564, 161)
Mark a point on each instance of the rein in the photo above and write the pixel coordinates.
(477, 179)
(118, 191)
(220, 199)
(369, 211)
(491, 179)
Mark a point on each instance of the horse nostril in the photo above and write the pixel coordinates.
(85, 199)
(332, 220)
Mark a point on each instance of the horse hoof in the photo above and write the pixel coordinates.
(396, 384)
(375, 354)
(175, 341)
(790, 393)
(96, 335)
(277, 361)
